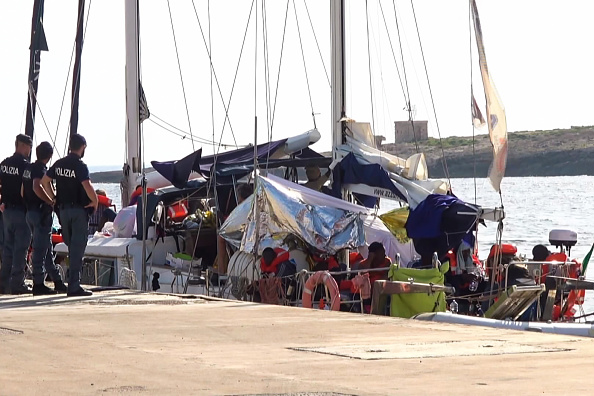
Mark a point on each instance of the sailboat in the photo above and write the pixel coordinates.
(280, 208)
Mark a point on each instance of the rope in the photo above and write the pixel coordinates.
(266, 77)
(393, 54)
(317, 44)
(304, 66)
(181, 78)
(184, 134)
(78, 73)
(279, 66)
(32, 94)
(408, 106)
(472, 96)
(226, 107)
(369, 68)
(443, 159)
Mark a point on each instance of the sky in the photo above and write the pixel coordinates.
(538, 54)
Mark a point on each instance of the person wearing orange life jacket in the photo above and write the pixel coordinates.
(103, 214)
(376, 259)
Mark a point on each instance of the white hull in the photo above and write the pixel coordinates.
(572, 329)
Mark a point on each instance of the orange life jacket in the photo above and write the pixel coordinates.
(178, 211)
(281, 255)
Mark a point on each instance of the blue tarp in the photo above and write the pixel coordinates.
(351, 171)
(439, 223)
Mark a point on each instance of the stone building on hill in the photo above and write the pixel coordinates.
(404, 131)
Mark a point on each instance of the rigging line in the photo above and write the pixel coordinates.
(408, 105)
(212, 180)
(64, 93)
(266, 77)
(313, 115)
(77, 76)
(393, 54)
(279, 66)
(317, 44)
(180, 75)
(183, 135)
(443, 159)
(196, 138)
(226, 107)
(369, 68)
(472, 95)
(42, 117)
(381, 73)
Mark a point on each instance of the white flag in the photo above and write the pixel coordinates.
(495, 111)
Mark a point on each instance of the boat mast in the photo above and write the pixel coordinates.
(76, 71)
(338, 73)
(38, 44)
(133, 154)
(338, 88)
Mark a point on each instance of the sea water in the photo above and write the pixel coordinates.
(533, 206)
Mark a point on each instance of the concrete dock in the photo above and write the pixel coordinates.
(127, 342)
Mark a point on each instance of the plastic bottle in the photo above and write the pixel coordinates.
(454, 307)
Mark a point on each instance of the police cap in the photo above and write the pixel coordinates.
(22, 138)
(77, 141)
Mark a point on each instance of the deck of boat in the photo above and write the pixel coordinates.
(146, 343)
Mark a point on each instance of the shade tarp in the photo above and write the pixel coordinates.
(278, 211)
(374, 230)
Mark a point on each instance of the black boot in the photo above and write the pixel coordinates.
(42, 290)
(60, 287)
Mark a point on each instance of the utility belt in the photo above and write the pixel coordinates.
(40, 207)
(70, 205)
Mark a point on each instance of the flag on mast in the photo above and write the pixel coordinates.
(477, 116)
(495, 110)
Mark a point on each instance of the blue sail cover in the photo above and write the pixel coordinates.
(178, 172)
(240, 155)
(440, 223)
(351, 171)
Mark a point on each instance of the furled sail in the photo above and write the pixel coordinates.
(495, 110)
(38, 44)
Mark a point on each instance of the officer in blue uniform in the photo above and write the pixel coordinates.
(17, 235)
(76, 199)
(39, 218)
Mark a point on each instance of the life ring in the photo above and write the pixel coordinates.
(316, 279)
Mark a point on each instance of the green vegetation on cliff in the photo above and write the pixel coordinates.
(559, 152)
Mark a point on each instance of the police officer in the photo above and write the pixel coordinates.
(75, 198)
(39, 218)
(17, 235)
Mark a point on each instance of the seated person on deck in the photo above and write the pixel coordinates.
(315, 179)
(102, 215)
(375, 259)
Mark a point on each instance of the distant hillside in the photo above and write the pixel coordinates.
(560, 152)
